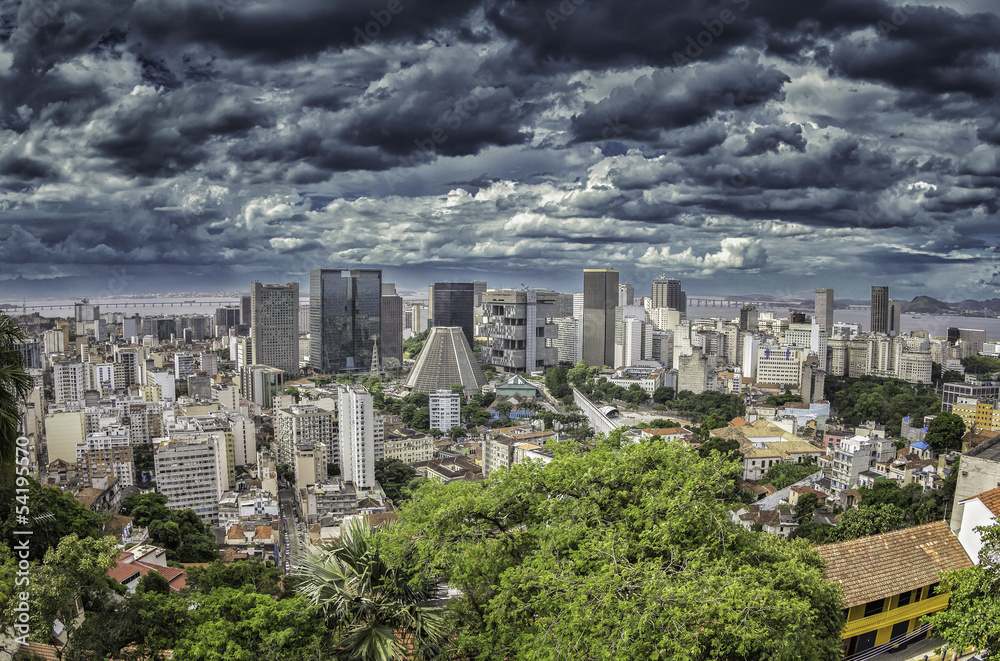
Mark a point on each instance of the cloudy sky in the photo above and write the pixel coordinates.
(740, 145)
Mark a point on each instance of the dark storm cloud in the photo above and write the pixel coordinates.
(276, 31)
(712, 136)
(678, 98)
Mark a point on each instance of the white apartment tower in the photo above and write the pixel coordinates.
(446, 410)
(191, 473)
(357, 436)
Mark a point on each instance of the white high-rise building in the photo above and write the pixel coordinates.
(357, 436)
(69, 381)
(244, 439)
(274, 325)
(446, 410)
(751, 349)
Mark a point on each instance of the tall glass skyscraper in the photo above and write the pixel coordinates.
(454, 304)
(345, 318)
(600, 297)
(880, 309)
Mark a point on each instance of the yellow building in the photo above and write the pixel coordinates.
(978, 415)
(888, 583)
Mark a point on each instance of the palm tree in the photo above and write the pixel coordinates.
(15, 386)
(382, 616)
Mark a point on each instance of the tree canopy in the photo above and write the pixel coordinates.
(181, 532)
(885, 401)
(973, 615)
(945, 432)
(618, 553)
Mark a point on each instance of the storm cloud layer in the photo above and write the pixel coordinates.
(740, 145)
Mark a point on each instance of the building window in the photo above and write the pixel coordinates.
(904, 598)
(874, 607)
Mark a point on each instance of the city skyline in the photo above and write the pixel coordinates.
(780, 146)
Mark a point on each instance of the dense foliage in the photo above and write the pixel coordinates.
(885, 401)
(785, 474)
(945, 432)
(55, 515)
(981, 365)
(15, 386)
(185, 537)
(618, 553)
(973, 615)
(697, 407)
(394, 476)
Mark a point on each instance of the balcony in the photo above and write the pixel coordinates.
(888, 618)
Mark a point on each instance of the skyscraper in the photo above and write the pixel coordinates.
(357, 435)
(391, 342)
(454, 303)
(749, 318)
(345, 318)
(880, 309)
(824, 310)
(274, 325)
(600, 297)
(668, 294)
(895, 317)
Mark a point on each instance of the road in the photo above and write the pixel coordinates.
(289, 538)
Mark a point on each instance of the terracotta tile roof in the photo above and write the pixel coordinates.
(738, 422)
(124, 571)
(880, 566)
(263, 532)
(231, 555)
(669, 431)
(41, 651)
(236, 532)
(989, 498)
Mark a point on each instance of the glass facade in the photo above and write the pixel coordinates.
(454, 303)
(345, 318)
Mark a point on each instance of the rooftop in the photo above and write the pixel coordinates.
(991, 499)
(880, 566)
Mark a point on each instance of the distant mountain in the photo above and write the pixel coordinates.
(927, 305)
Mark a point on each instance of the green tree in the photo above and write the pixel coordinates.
(394, 476)
(982, 365)
(973, 615)
(181, 532)
(728, 447)
(503, 408)
(242, 625)
(251, 573)
(72, 576)
(804, 508)
(421, 419)
(663, 394)
(15, 386)
(945, 432)
(624, 552)
(865, 521)
(377, 607)
(783, 474)
(55, 512)
(456, 432)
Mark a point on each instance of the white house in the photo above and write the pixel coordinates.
(981, 510)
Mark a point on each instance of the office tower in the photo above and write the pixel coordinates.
(245, 310)
(274, 326)
(445, 361)
(519, 336)
(895, 317)
(454, 303)
(600, 297)
(568, 341)
(749, 318)
(391, 343)
(430, 305)
(824, 310)
(357, 435)
(478, 289)
(626, 294)
(86, 312)
(131, 327)
(183, 365)
(880, 309)
(227, 319)
(345, 318)
(667, 294)
(445, 409)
